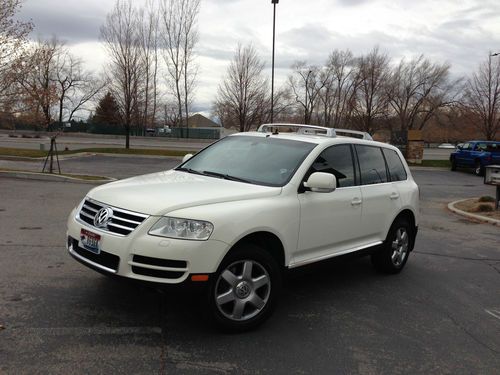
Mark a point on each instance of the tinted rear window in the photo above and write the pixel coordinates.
(371, 164)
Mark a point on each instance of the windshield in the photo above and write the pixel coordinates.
(258, 160)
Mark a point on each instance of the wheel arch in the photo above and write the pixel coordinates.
(408, 215)
(265, 240)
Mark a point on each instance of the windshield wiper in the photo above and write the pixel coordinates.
(226, 176)
(189, 170)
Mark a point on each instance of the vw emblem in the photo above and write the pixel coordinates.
(102, 217)
(243, 290)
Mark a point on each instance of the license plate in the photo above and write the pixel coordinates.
(90, 241)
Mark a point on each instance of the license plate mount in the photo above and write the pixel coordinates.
(90, 241)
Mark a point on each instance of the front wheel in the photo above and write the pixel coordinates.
(244, 289)
(394, 252)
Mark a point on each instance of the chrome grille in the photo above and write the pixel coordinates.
(120, 222)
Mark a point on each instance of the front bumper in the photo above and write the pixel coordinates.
(143, 257)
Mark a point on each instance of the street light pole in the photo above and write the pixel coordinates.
(274, 2)
(307, 105)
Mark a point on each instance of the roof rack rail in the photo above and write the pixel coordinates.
(300, 129)
(315, 130)
(353, 134)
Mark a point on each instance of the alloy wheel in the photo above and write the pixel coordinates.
(242, 290)
(400, 247)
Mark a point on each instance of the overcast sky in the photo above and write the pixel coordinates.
(460, 32)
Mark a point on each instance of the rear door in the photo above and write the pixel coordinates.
(381, 198)
(494, 149)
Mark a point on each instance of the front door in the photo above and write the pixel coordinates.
(329, 222)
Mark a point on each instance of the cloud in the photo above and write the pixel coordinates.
(352, 2)
(71, 22)
(460, 32)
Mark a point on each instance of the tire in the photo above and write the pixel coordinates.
(453, 164)
(393, 253)
(244, 290)
(478, 169)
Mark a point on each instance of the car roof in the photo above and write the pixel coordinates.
(317, 139)
(483, 142)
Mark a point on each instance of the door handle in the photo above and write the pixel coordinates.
(356, 201)
(394, 195)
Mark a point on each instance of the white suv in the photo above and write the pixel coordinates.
(236, 214)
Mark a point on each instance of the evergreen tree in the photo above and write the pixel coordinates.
(107, 111)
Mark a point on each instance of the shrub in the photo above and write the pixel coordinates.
(486, 198)
(484, 208)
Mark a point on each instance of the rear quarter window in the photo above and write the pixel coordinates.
(397, 170)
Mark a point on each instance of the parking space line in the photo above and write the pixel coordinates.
(494, 313)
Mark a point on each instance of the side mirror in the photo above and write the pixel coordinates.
(459, 147)
(187, 157)
(321, 182)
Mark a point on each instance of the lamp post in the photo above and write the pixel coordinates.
(274, 2)
(307, 105)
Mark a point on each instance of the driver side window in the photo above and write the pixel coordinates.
(336, 160)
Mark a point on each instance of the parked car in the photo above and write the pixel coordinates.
(446, 146)
(165, 130)
(237, 214)
(475, 155)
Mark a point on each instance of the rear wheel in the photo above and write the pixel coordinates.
(393, 254)
(453, 164)
(244, 289)
(478, 170)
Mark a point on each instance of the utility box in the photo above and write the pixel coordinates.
(492, 177)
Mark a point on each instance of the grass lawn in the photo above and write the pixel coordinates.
(434, 163)
(23, 153)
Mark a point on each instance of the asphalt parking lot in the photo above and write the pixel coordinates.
(441, 315)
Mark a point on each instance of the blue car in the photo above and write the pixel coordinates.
(476, 155)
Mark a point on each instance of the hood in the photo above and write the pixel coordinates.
(160, 193)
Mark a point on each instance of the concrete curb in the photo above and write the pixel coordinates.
(52, 177)
(452, 208)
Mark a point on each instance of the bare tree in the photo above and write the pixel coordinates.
(121, 37)
(306, 82)
(36, 75)
(371, 96)
(75, 86)
(189, 40)
(179, 36)
(170, 114)
(481, 101)
(149, 38)
(417, 89)
(84, 94)
(13, 35)
(339, 84)
(244, 89)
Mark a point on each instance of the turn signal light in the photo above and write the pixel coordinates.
(199, 278)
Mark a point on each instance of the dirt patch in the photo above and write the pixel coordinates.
(480, 208)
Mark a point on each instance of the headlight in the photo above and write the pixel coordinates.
(182, 228)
